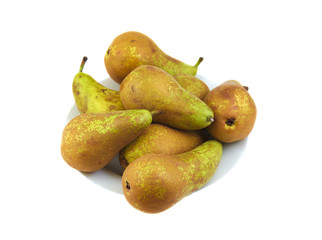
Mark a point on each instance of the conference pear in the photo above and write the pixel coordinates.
(92, 97)
(234, 111)
(158, 138)
(149, 87)
(155, 182)
(91, 140)
(193, 85)
(132, 49)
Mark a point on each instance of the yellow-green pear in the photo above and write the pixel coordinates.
(149, 87)
(92, 97)
(161, 139)
(132, 49)
(91, 140)
(234, 111)
(153, 183)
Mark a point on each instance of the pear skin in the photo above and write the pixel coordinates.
(92, 97)
(234, 111)
(91, 140)
(132, 49)
(161, 139)
(154, 183)
(193, 85)
(149, 87)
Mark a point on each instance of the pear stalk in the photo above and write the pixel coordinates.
(198, 63)
(155, 112)
(211, 119)
(82, 64)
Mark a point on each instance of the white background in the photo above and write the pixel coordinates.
(267, 186)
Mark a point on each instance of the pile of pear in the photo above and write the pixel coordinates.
(166, 125)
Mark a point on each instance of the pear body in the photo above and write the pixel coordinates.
(149, 87)
(92, 97)
(161, 139)
(132, 49)
(154, 183)
(91, 140)
(234, 112)
(193, 85)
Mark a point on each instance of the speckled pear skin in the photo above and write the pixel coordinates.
(132, 49)
(193, 85)
(91, 140)
(149, 87)
(161, 139)
(234, 112)
(153, 183)
(92, 97)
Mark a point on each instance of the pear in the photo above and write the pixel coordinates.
(234, 111)
(161, 139)
(92, 97)
(149, 87)
(132, 49)
(193, 85)
(91, 140)
(154, 183)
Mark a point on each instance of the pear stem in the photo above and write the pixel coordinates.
(82, 64)
(246, 88)
(211, 119)
(199, 61)
(156, 112)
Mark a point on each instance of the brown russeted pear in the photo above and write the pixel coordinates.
(149, 87)
(234, 111)
(132, 49)
(161, 139)
(155, 182)
(91, 140)
(193, 85)
(92, 97)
